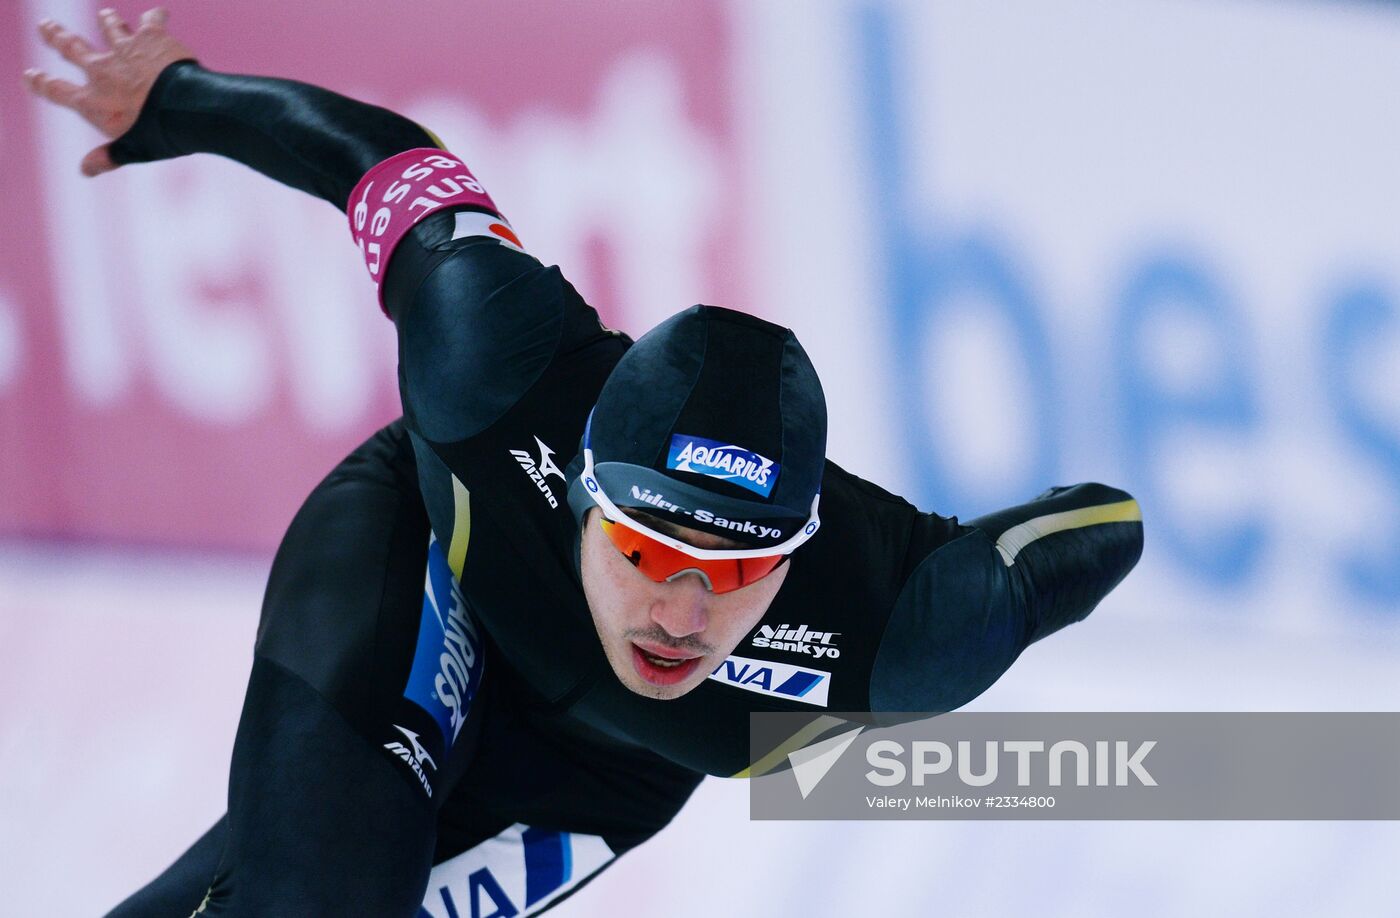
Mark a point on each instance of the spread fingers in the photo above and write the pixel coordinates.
(114, 29)
(154, 18)
(74, 48)
(54, 89)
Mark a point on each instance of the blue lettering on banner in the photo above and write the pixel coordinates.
(929, 266)
(448, 662)
(1365, 312)
(927, 274)
(1223, 401)
(724, 461)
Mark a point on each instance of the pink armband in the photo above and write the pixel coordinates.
(399, 192)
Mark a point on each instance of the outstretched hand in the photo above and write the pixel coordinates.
(118, 79)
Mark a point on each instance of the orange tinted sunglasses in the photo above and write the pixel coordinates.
(663, 563)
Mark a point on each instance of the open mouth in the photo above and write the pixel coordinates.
(661, 666)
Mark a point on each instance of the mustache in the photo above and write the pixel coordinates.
(659, 636)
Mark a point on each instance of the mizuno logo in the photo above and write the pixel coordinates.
(539, 471)
(415, 755)
(724, 461)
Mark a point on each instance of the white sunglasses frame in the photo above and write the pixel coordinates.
(615, 515)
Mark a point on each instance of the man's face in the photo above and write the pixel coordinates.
(664, 639)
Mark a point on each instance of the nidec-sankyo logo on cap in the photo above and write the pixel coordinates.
(724, 461)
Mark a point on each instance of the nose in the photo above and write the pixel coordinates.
(680, 606)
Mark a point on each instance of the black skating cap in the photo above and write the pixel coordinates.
(715, 420)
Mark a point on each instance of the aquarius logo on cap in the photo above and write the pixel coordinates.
(724, 461)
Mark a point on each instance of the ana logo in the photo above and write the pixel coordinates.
(798, 640)
(539, 471)
(448, 661)
(724, 461)
(415, 755)
(781, 680)
(521, 871)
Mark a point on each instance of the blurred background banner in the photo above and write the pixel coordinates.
(1149, 242)
(1152, 243)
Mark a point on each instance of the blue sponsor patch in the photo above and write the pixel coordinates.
(781, 680)
(724, 461)
(521, 871)
(447, 663)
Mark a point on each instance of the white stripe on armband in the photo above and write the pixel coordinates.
(1016, 538)
(476, 223)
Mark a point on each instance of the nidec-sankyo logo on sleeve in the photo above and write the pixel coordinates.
(724, 461)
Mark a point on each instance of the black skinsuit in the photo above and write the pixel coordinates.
(388, 729)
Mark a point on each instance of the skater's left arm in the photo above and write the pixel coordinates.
(972, 604)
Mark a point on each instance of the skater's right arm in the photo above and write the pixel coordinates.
(478, 319)
(153, 101)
